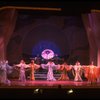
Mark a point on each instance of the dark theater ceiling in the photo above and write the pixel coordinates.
(67, 7)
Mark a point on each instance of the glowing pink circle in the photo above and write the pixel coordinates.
(47, 54)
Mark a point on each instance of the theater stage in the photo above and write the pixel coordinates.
(50, 84)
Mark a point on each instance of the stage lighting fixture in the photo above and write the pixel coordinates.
(70, 91)
(36, 91)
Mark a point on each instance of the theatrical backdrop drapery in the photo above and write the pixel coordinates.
(25, 34)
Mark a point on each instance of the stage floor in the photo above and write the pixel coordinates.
(50, 84)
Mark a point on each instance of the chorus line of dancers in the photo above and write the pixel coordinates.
(91, 72)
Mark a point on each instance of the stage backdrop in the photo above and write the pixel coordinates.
(33, 33)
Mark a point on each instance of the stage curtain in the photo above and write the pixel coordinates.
(7, 25)
(92, 26)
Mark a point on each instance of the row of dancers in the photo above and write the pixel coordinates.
(91, 72)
